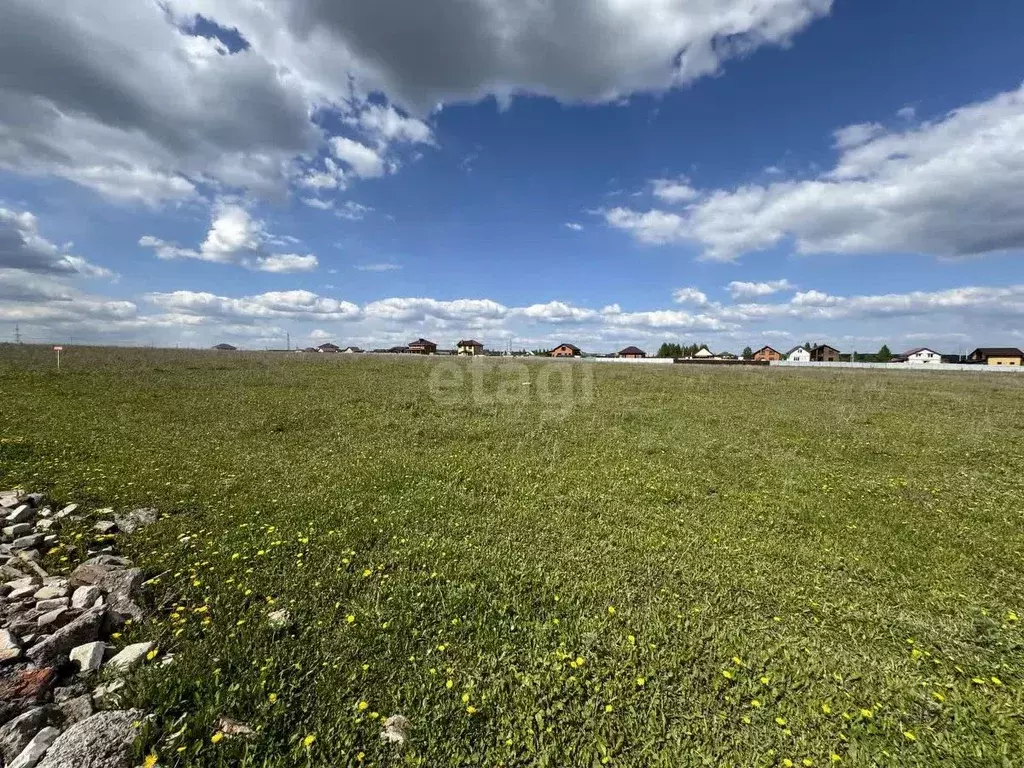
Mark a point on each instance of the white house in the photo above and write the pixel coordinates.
(470, 347)
(704, 353)
(798, 355)
(920, 356)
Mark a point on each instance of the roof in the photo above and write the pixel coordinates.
(573, 347)
(632, 351)
(422, 343)
(328, 345)
(794, 349)
(997, 352)
(469, 343)
(225, 347)
(915, 350)
(770, 349)
(823, 346)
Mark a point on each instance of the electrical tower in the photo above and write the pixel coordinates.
(17, 334)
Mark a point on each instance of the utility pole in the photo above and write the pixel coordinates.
(289, 335)
(17, 334)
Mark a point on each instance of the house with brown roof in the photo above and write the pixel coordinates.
(328, 348)
(996, 356)
(469, 347)
(632, 352)
(767, 353)
(565, 350)
(823, 353)
(422, 347)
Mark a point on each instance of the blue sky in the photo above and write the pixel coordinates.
(637, 171)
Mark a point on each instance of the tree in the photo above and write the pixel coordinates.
(748, 353)
(884, 355)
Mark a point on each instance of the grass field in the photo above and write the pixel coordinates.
(689, 567)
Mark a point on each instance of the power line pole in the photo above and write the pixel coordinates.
(17, 334)
(289, 335)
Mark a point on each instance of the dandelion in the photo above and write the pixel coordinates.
(909, 736)
(737, 661)
(465, 698)
(727, 674)
(780, 720)
(826, 708)
(611, 610)
(308, 741)
(755, 703)
(449, 684)
(765, 680)
(631, 639)
(996, 680)
(579, 661)
(150, 761)
(834, 758)
(471, 710)
(272, 698)
(367, 572)
(363, 706)
(217, 737)
(350, 618)
(152, 654)
(866, 714)
(939, 697)
(608, 707)
(808, 762)
(640, 681)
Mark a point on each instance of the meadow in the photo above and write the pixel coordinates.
(656, 566)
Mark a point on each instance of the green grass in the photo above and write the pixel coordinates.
(843, 548)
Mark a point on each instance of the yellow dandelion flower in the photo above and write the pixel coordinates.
(363, 706)
(737, 661)
(152, 654)
(866, 714)
(765, 680)
(465, 698)
(216, 738)
(727, 674)
(996, 681)
(909, 736)
(808, 762)
(471, 710)
(640, 681)
(350, 618)
(611, 610)
(756, 703)
(826, 708)
(150, 761)
(308, 741)
(834, 758)
(608, 707)
(579, 661)
(272, 698)
(780, 720)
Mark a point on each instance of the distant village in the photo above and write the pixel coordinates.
(697, 353)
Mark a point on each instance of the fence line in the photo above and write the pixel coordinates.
(936, 367)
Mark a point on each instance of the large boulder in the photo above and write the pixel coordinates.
(102, 741)
(36, 748)
(16, 735)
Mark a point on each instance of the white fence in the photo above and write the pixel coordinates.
(915, 367)
(636, 360)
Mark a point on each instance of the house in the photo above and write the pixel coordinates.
(328, 348)
(919, 356)
(469, 347)
(396, 350)
(565, 350)
(823, 353)
(704, 353)
(422, 347)
(351, 350)
(728, 356)
(632, 352)
(996, 356)
(799, 355)
(767, 353)
(225, 348)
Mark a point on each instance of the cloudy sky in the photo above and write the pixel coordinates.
(610, 172)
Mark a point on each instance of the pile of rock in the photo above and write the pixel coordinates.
(53, 642)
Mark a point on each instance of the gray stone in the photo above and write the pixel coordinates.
(89, 656)
(51, 605)
(11, 570)
(102, 741)
(105, 527)
(122, 587)
(20, 593)
(28, 542)
(58, 588)
(48, 525)
(130, 656)
(22, 514)
(8, 639)
(36, 748)
(84, 597)
(137, 518)
(26, 581)
(69, 509)
(396, 730)
(76, 709)
(19, 529)
(84, 629)
(16, 735)
(95, 569)
(59, 617)
(46, 512)
(50, 540)
(35, 499)
(280, 619)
